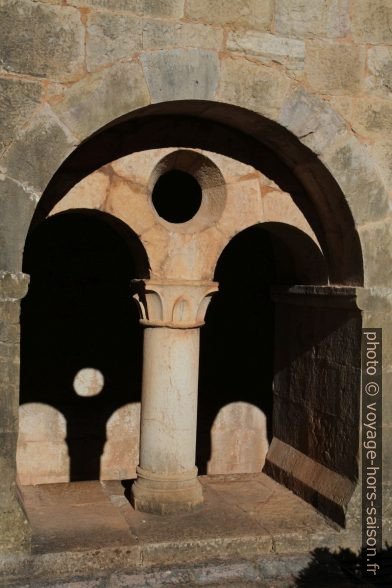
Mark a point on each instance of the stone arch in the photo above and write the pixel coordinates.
(321, 199)
(318, 148)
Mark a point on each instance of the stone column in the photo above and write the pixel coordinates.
(15, 532)
(172, 313)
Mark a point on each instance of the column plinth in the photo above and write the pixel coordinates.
(172, 314)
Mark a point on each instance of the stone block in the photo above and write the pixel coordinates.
(269, 48)
(42, 461)
(249, 14)
(334, 68)
(351, 164)
(15, 530)
(17, 208)
(181, 74)
(19, 99)
(138, 166)
(376, 242)
(38, 152)
(379, 65)
(155, 8)
(41, 39)
(102, 97)
(371, 21)
(13, 287)
(111, 37)
(311, 119)
(280, 207)
(372, 117)
(129, 202)
(382, 152)
(91, 192)
(160, 34)
(300, 18)
(243, 207)
(258, 88)
(327, 490)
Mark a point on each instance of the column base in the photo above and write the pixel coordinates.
(160, 494)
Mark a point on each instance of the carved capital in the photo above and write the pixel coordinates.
(173, 304)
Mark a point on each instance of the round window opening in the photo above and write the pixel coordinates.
(176, 196)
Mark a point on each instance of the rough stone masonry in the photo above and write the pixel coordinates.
(282, 113)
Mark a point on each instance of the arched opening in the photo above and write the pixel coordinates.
(238, 344)
(80, 350)
(318, 278)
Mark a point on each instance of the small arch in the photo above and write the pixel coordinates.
(79, 314)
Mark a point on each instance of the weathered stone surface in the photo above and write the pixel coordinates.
(193, 256)
(13, 287)
(372, 117)
(351, 164)
(239, 439)
(155, 8)
(333, 68)
(41, 450)
(311, 119)
(91, 192)
(38, 151)
(17, 207)
(129, 202)
(102, 97)
(371, 21)
(180, 74)
(41, 39)
(376, 242)
(300, 18)
(137, 167)
(243, 209)
(343, 105)
(280, 207)
(382, 151)
(269, 48)
(253, 86)
(160, 34)
(111, 37)
(18, 98)
(379, 64)
(251, 14)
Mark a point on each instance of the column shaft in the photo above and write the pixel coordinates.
(169, 400)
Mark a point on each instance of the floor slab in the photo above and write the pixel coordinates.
(91, 527)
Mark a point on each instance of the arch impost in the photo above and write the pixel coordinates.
(335, 296)
(174, 304)
(13, 286)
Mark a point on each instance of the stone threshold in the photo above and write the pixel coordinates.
(90, 530)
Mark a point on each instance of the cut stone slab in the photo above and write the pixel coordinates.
(181, 74)
(89, 532)
(73, 516)
(41, 39)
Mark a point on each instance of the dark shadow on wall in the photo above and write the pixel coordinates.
(344, 568)
(78, 314)
(238, 339)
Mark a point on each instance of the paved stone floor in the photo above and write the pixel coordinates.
(250, 531)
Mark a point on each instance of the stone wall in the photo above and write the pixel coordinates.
(316, 76)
